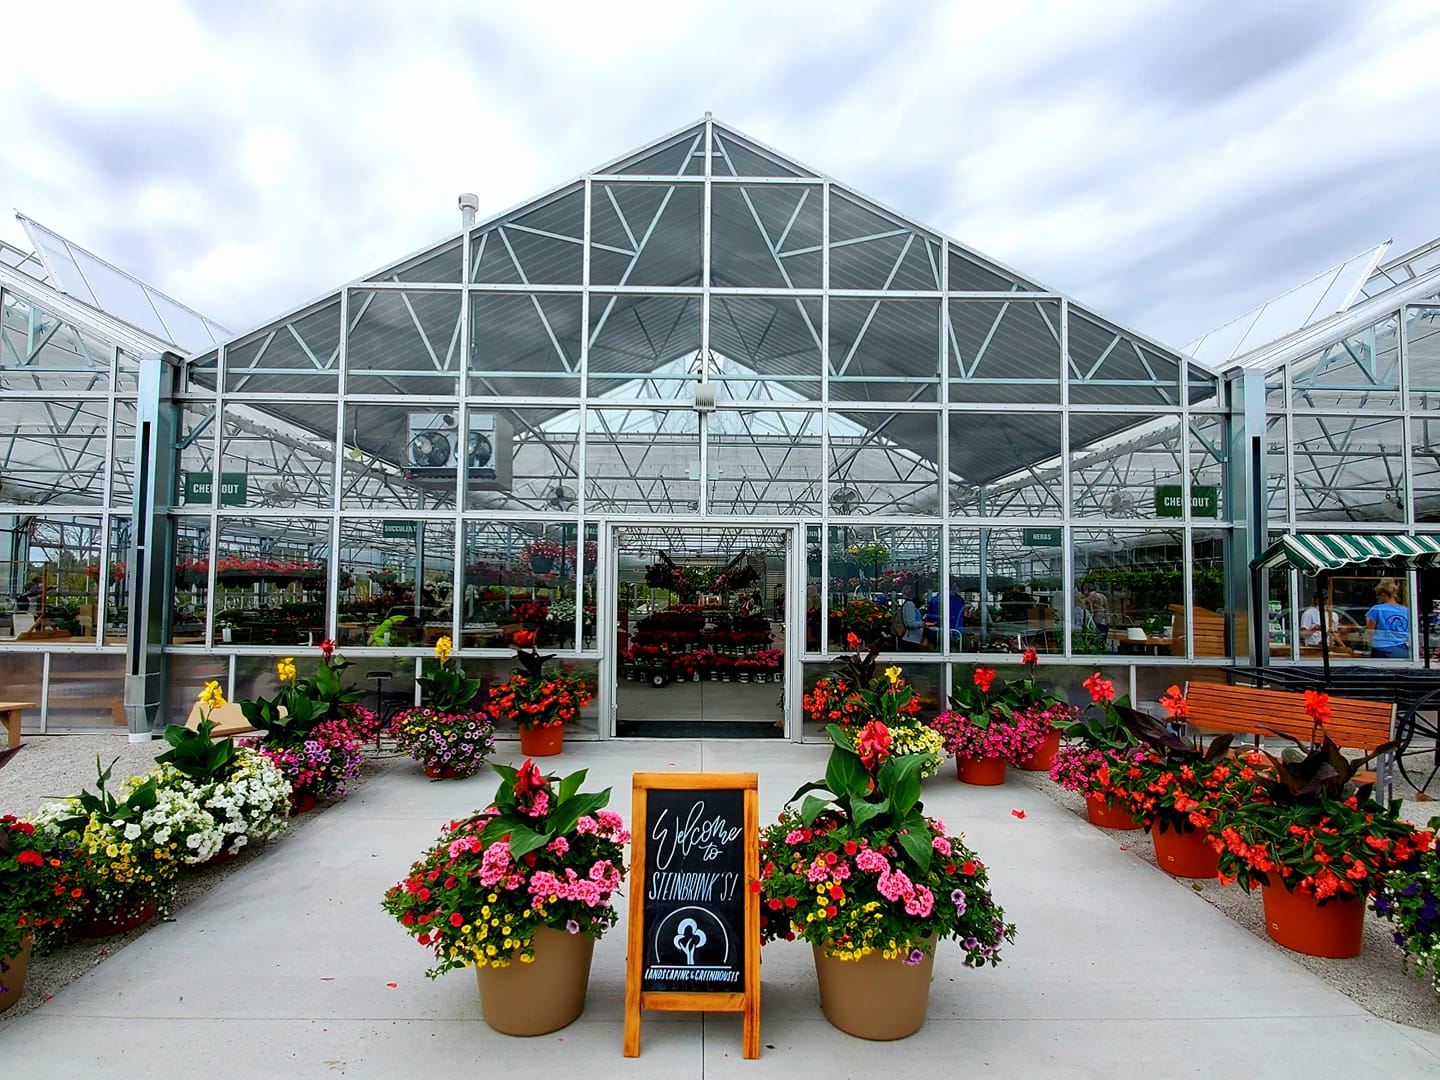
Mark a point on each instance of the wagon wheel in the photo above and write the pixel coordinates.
(1418, 752)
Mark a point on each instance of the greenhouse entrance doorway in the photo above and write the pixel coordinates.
(700, 631)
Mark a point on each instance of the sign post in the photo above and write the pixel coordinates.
(694, 942)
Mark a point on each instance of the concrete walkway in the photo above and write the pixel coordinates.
(284, 968)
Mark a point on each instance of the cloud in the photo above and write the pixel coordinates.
(1170, 165)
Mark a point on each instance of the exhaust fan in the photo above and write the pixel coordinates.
(434, 444)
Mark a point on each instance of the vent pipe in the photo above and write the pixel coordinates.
(469, 204)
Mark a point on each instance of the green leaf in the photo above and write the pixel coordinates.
(811, 808)
(814, 785)
(916, 844)
(905, 795)
(845, 775)
(862, 811)
(569, 785)
(524, 839)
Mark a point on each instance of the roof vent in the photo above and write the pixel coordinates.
(469, 204)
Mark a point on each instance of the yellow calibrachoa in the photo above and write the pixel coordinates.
(212, 697)
(286, 669)
(443, 648)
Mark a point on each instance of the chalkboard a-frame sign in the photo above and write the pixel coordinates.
(694, 942)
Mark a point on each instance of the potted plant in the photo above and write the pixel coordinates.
(1410, 899)
(245, 794)
(444, 734)
(886, 697)
(1314, 841)
(522, 890)
(540, 701)
(33, 894)
(128, 851)
(1095, 742)
(873, 884)
(1175, 788)
(541, 555)
(982, 732)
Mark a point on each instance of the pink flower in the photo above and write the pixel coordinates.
(559, 845)
(794, 836)
(895, 885)
(920, 902)
(941, 844)
(872, 861)
(586, 825)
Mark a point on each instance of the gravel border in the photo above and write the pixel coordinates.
(50, 766)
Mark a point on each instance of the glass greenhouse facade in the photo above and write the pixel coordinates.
(696, 417)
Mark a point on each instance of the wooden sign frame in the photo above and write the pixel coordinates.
(747, 1000)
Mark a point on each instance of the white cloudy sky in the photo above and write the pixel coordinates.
(1170, 163)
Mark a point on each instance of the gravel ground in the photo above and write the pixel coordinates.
(63, 764)
(58, 765)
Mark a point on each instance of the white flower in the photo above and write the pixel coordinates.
(132, 831)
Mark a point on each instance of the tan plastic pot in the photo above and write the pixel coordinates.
(543, 996)
(16, 968)
(874, 998)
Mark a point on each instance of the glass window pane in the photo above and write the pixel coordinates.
(54, 450)
(40, 351)
(1006, 589)
(1005, 351)
(403, 342)
(49, 576)
(1349, 468)
(276, 463)
(1120, 464)
(645, 234)
(396, 582)
(884, 350)
(1109, 367)
(765, 348)
(873, 572)
(271, 582)
(766, 237)
(525, 345)
(298, 356)
(764, 463)
(642, 461)
(884, 463)
(1359, 371)
(644, 347)
(1004, 463)
(521, 575)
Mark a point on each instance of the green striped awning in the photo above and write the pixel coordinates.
(1314, 552)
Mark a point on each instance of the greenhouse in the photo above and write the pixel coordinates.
(702, 419)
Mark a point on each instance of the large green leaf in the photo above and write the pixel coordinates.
(811, 808)
(563, 816)
(845, 775)
(814, 785)
(569, 785)
(862, 811)
(905, 794)
(916, 843)
(524, 839)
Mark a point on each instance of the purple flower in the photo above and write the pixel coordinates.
(572, 927)
(957, 897)
(915, 957)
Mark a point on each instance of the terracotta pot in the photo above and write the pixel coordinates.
(544, 996)
(220, 857)
(1294, 920)
(442, 772)
(300, 802)
(542, 741)
(13, 970)
(984, 772)
(108, 924)
(874, 998)
(1106, 817)
(1043, 756)
(1185, 854)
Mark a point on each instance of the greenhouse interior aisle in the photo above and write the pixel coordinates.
(290, 968)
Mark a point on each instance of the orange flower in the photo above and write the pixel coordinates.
(1175, 703)
(1317, 707)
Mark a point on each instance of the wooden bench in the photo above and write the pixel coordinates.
(228, 719)
(10, 715)
(1353, 725)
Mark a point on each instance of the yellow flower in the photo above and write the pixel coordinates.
(893, 674)
(443, 648)
(286, 669)
(211, 697)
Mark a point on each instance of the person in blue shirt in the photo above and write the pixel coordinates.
(1390, 623)
(932, 618)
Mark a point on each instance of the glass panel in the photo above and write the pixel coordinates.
(493, 672)
(879, 577)
(766, 236)
(1209, 452)
(190, 599)
(1359, 371)
(542, 246)
(765, 349)
(884, 350)
(298, 356)
(645, 234)
(190, 671)
(669, 159)
(396, 583)
(54, 451)
(696, 643)
(1005, 464)
(1119, 465)
(1006, 590)
(87, 692)
(971, 273)
(271, 581)
(1005, 351)
(40, 351)
(884, 463)
(736, 157)
(1108, 367)
(869, 249)
(521, 575)
(644, 347)
(1277, 482)
(49, 577)
(1356, 601)
(764, 463)
(112, 584)
(23, 673)
(442, 264)
(1349, 468)
(1204, 387)
(401, 457)
(127, 372)
(195, 446)
(403, 342)
(525, 345)
(642, 461)
(1132, 586)
(532, 463)
(1422, 355)
(282, 465)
